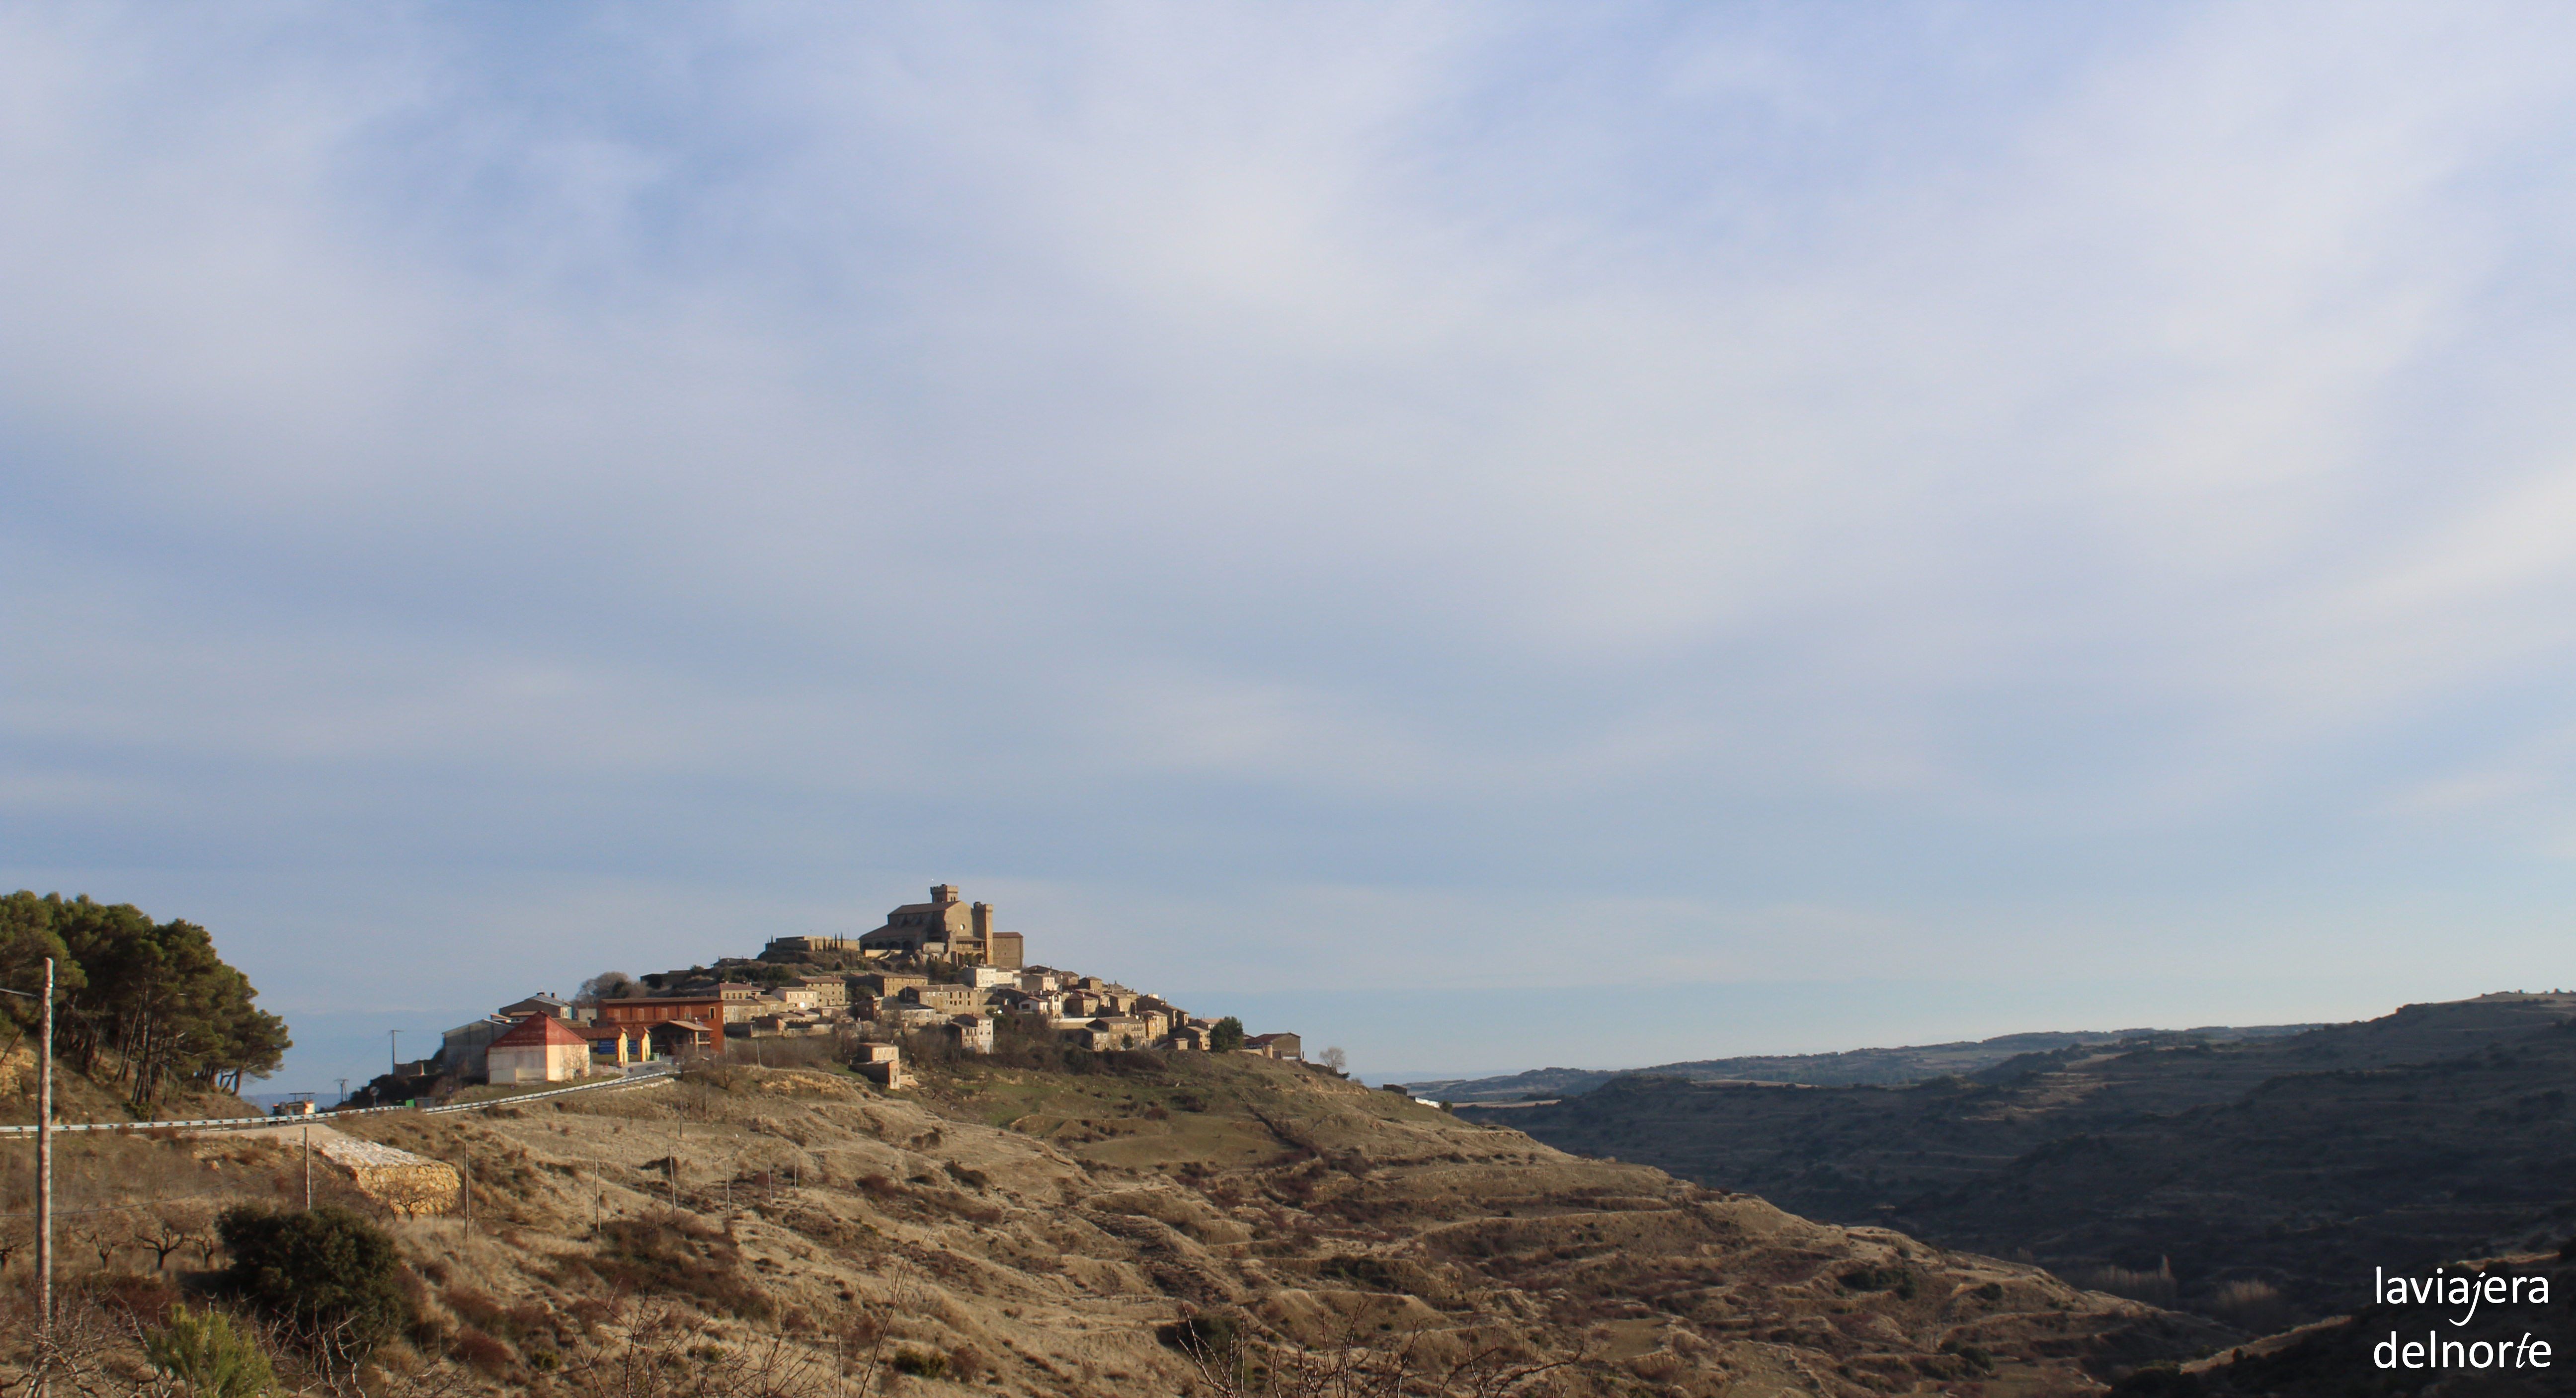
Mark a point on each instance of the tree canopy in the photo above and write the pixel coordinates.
(328, 1275)
(151, 1003)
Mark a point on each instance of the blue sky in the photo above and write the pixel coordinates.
(1493, 536)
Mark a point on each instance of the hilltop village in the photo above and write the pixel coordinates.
(937, 976)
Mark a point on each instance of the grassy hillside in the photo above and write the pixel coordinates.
(1040, 1232)
(2266, 1176)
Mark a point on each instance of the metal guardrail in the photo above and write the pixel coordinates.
(247, 1122)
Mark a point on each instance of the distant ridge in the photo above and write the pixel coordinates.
(1871, 1067)
(2257, 1181)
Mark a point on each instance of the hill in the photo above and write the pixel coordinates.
(2260, 1179)
(1885, 1067)
(1069, 1233)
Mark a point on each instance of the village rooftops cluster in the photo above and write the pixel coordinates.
(934, 968)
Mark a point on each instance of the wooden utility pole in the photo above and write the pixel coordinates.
(308, 1169)
(45, 1189)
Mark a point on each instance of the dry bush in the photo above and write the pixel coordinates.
(2155, 1288)
(2255, 1305)
(802, 1051)
(668, 1354)
(483, 1352)
(1235, 1356)
(98, 1341)
(665, 1253)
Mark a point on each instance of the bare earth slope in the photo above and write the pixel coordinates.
(1041, 1230)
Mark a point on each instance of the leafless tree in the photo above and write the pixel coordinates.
(105, 1235)
(166, 1230)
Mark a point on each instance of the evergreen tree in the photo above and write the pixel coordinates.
(151, 1002)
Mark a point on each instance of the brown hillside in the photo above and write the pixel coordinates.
(1040, 1232)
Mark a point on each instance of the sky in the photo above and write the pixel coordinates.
(1493, 536)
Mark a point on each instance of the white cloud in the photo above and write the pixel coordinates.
(1840, 484)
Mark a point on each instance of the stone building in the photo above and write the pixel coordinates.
(462, 1048)
(830, 992)
(539, 1048)
(948, 999)
(945, 926)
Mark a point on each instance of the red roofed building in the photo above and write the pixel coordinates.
(539, 1048)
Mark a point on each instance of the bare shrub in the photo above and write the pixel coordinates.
(1235, 1356)
(2156, 1288)
(667, 1253)
(482, 1351)
(667, 1354)
(2251, 1303)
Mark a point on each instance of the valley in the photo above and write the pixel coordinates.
(2257, 1179)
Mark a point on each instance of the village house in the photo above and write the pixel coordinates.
(1020, 1002)
(887, 984)
(735, 996)
(798, 997)
(614, 1046)
(882, 1063)
(1287, 1046)
(947, 999)
(903, 1015)
(653, 1010)
(539, 1048)
(972, 1033)
(678, 1038)
(542, 1003)
(461, 1049)
(1120, 1032)
(830, 992)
